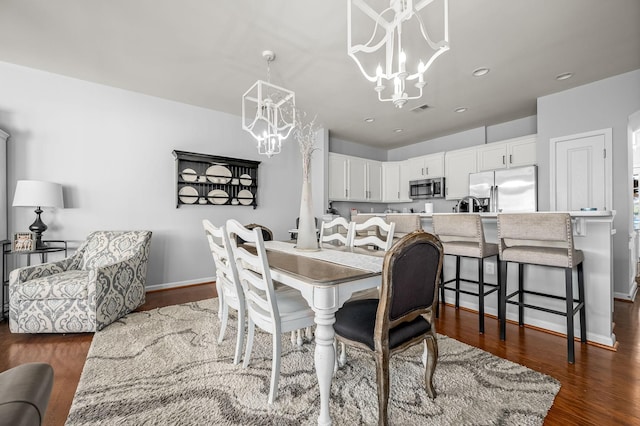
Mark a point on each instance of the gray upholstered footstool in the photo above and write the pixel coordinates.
(24, 394)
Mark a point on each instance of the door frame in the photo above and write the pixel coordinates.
(608, 164)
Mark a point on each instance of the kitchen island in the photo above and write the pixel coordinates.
(593, 232)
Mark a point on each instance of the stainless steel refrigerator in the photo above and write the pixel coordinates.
(508, 190)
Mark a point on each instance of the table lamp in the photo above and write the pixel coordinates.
(38, 194)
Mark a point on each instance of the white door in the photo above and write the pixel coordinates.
(581, 171)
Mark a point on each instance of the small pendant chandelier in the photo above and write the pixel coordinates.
(388, 34)
(268, 112)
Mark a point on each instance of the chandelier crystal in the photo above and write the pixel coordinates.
(398, 65)
(268, 112)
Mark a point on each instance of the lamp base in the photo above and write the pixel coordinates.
(38, 227)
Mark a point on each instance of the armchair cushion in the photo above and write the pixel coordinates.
(65, 285)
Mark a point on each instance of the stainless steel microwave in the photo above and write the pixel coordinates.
(426, 188)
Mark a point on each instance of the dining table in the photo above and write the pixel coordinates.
(326, 278)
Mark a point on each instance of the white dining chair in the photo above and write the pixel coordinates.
(337, 231)
(382, 237)
(275, 312)
(230, 294)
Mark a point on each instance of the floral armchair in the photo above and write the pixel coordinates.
(103, 281)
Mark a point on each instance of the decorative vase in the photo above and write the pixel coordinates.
(307, 239)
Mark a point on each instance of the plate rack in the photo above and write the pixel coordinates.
(203, 179)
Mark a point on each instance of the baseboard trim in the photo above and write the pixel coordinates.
(178, 284)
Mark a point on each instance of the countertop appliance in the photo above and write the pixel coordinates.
(426, 188)
(507, 190)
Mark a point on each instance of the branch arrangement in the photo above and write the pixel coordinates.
(305, 133)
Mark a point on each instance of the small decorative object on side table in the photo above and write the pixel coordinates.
(23, 241)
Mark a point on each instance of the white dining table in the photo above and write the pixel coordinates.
(326, 279)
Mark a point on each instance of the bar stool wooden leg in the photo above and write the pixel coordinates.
(583, 309)
(481, 295)
(568, 278)
(521, 294)
(457, 282)
(502, 298)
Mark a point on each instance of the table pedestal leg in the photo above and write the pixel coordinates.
(325, 361)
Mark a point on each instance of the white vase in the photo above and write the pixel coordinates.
(307, 239)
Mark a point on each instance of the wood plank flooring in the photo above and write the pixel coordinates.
(601, 388)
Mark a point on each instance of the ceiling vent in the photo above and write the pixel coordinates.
(420, 108)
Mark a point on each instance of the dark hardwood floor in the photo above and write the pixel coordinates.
(601, 388)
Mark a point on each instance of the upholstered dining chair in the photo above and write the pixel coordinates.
(230, 294)
(103, 281)
(373, 232)
(274, 311)
(403, 315)
(337, 231)
(267, 234)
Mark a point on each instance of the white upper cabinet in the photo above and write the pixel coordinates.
(395, 187)
(354, 179)
(426, 167)
(458, 165)
(511, 153)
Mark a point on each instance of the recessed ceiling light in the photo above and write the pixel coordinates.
(398, 130)
(369, 119)
(460, 109)
(479, 72)
(564, 76)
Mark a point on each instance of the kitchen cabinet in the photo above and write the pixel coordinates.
(395, 178)
(510, 153)
(354, 179)
(458, 165)
(426, 166)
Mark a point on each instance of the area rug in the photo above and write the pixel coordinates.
(164, 367)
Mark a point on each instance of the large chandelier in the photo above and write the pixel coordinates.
(268, 112)
(392, 67)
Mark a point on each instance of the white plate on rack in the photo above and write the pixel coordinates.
(217, 196)
(245, 180)
(218, 174)
(245, 197)
(188, 194)
(189, 175)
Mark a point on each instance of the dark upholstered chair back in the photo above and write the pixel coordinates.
(410, 278)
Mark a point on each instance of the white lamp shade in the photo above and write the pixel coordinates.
(36, 193)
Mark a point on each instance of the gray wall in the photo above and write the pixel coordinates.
(111, 151)
(599, 105)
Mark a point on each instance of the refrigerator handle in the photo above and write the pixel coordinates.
(492, 196)
(495, 197)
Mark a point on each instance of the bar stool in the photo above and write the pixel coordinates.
(405, 224)
(544, 239)
(462, 235)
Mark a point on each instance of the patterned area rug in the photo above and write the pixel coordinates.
(164, 367)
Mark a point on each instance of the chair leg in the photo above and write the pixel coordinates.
(502, 299)
(220, 293)
(275, 369)
(382, 377)
(223, 324)
(247, 352)
(293, 338)
(457, 282)
(481, 295)
(499, 283)
(240, 336)
(343, 355)
(568, 278)
(431, 348)
(583, 309)
(521, 294)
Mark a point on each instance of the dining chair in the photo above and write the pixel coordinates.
(403, 315)
(373, 232)
(230, 294)
(337, 231)
(274, 311)
(267, 234)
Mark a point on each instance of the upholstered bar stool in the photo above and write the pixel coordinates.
(462, 235)
(544, 239)
(405, 224)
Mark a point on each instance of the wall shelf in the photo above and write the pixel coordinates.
(203, 179)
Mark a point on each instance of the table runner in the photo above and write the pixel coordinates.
(345, 258)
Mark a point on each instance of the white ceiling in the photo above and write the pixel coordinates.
(208, 53)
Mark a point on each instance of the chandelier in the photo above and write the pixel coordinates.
(268, 112)
(396, 68)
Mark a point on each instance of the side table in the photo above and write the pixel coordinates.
(51, 246)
